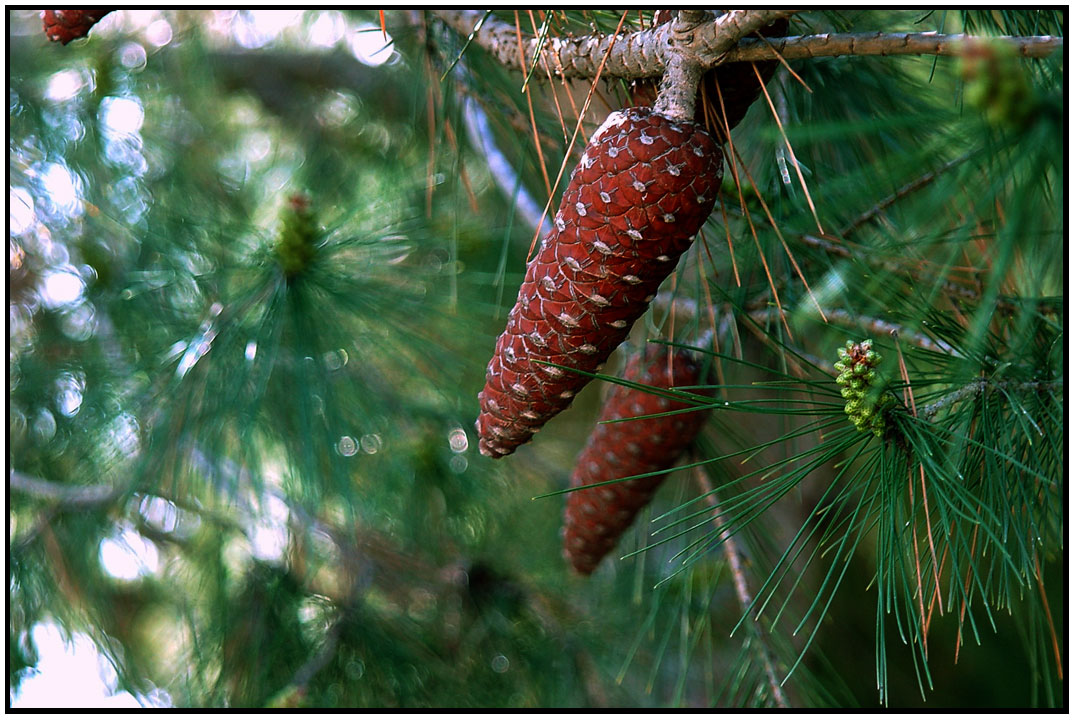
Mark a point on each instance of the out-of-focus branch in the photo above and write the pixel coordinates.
(742, 589)
(1004, 304)
(907, 189)
(504, 174)
(275, 76)
(875, 326)
(68, 495)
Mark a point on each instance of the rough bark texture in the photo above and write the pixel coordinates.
(642, 190)
(595, 518)
(66, 25)
(800, 47)
(727, 39)
(631, 55)
(738, 85)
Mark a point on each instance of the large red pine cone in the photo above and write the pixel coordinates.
(739, 87)
(67, 25)
(644, 187)
(595, 518)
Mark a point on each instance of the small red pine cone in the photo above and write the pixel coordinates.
(595, 518)
(644, 187)
(67, 25)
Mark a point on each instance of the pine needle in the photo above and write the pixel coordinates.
(533, 122)
(711, 313)
(932, 546)
(578, 126)
(746, 213)
(769, 215)
(791, 150)
(728, 234)
(1049, 619)
(784, 62)
(966, 592)
(548, 72)
(466, 43)
(472, 200)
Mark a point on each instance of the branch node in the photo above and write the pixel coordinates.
(679, 85)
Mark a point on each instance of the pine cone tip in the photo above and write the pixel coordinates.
(63, 26)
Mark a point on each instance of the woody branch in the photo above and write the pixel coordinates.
(928, 43)
(645, 53)
(725, 39)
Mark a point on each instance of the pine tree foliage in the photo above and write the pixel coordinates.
(258, 262)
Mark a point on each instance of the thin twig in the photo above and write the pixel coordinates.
(877, 326)
(64, 495)
(503, 172)
(872, 325)
(907, 189)
(981, 384)
(1004, 303)
(742, 589)
(927, 43)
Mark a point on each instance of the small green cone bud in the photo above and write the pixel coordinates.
(997, 83)
(860, 385)
(297, 242)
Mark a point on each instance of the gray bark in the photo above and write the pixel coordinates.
(647, 53)
(641, 54)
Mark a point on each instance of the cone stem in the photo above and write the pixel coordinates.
(678, 89)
